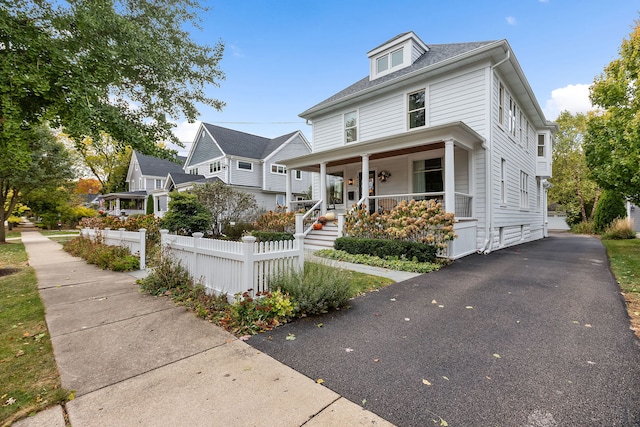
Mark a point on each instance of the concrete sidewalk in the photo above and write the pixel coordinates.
(133, 359)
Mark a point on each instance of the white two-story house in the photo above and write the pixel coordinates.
(455, 122)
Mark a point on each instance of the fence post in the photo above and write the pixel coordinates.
(248, 267)
(299, 223)
(143, 248)
(196, 245)
(163, 242)
(121, 236)
(341, 218)
(300, 245)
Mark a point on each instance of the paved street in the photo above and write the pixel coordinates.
(535, 335)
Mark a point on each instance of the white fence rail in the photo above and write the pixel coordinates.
(225, 267)
(134, 240)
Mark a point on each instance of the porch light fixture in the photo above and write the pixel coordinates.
(350, 181)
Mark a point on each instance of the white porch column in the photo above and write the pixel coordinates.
(449, 178)
(117, 213)
(364, 182)
(287, 180)
(323, 188)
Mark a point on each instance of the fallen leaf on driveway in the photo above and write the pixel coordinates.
(348, 350)
(590, 362)
(376, 360)
(393, 299)
(406, 319)
(434, 302)
(469, 307)
(290, 337)
(575, 322)
(497, 356)
(244, 337)
(319, 381)
(445, 378)
(426, 382)
(441, 306)
(587, 325)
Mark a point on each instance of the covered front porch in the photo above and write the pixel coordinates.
(434, 163)
(124, 204)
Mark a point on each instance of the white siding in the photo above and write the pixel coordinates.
(327, 133)
(382, 118)
(460, 98)
(276, 182)
(245, 177)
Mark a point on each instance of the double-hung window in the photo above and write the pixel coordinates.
(215, 166)
(417, 109)
(541, 145)
(351, 126)
(427, 176)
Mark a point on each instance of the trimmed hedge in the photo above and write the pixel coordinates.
(271, 236)
(386, 249)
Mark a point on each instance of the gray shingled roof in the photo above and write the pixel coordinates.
(154, 166)
(437, 53)
(236, 143)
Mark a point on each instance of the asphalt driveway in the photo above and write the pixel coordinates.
(536, 335)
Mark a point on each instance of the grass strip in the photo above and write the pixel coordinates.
(624, 257)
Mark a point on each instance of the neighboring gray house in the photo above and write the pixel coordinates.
(250, 163)
(455, 122)
(146, 175)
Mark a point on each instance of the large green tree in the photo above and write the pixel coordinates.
(225, 204)
(120, 67)
(572, 188)
(612, 141)
(45, 167)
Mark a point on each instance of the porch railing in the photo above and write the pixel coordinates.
(304, 222)
(384, 203)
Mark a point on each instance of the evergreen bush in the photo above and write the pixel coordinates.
(610, 206)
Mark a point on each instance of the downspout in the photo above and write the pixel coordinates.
(488, 243)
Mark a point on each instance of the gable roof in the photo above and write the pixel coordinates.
(437, 53)
(236, 143)
(154, 166)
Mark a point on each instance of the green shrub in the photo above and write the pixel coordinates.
(315, 290)
(610, 206)
(106, 257)
(387, 249)
(271, 236)
(168, 275)
(251, 315)
(619, 229)
(236, 231)
(583, 228)
(392, 264)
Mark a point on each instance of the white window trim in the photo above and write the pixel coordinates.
(543, 145)
(501, 114)
(157, 183)
(243, 169)
(297, 174)
(390, 68)
(408, 112)
(524, 190)
(278, 166)
(356, 127)
(284, 199)
(503, 181)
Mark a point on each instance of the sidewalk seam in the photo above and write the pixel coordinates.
(321, 410)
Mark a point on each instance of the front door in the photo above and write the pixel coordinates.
(372, 190)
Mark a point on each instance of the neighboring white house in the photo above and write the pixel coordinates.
(457, 122)
(248, 163)
(146, 175)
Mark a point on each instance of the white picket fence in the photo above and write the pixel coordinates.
(134, 240)
(225, 267)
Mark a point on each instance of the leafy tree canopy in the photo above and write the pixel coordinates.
(612, 141)
(572, 186)
(225, 204)
(92, 67)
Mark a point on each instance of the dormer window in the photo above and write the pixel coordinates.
(389, 60)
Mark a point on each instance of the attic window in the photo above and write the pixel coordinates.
(395, 57)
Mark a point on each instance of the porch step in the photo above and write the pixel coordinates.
(321, 239)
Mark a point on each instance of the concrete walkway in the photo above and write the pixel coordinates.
(133, 359)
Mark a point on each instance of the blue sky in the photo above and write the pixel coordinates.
(282, 57)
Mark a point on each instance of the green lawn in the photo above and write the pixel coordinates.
(29, 379)
(624, 256)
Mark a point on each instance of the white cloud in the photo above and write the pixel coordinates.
(573, 98)
(185, 131)
(511, 20)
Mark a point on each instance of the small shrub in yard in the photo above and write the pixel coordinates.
(388, 249)
(263, 312)
(271, 236)
(584, 227)
(315, 290)
(392, 264)
(620, 229)
(106, 257)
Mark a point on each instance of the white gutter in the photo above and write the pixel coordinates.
(488, 243)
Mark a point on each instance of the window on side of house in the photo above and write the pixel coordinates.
(298, 174)
(417, 109)
(278, 169)
(501, 104)
(541, 145)
(245, 165)
(503, 181)
(512, 116)
(158, 184)
(427, 176)
(281, 200)
(524, 189)
(351, 126)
